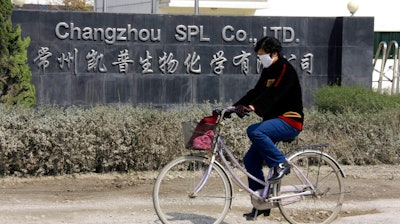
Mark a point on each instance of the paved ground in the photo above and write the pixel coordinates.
(114, 198)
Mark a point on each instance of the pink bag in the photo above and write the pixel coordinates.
(204, 142)
(203, 134)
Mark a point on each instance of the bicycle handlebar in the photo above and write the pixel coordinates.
(226, 112)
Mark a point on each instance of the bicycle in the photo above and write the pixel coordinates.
(196, 188)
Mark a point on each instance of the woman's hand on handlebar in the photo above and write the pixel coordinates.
(239, 110)
(242, 110)
(226, 112)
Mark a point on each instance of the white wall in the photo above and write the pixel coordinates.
(124, 6)
(386, 12)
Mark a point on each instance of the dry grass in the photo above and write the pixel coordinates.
(54, 140)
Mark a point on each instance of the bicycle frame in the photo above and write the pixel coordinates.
(220, 148)
(307, 188)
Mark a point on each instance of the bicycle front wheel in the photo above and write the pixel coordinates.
(172, 194)
(313, 172)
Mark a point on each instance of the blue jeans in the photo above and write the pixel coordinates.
(263, 136)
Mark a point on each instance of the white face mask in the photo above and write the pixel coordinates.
(266, 60)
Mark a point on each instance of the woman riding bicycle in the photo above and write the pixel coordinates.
(277, 98)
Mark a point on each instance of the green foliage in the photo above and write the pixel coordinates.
(338, 99)
(15, 76)
(76, 5)
(354, 138)
(122, 138)
(361, 125)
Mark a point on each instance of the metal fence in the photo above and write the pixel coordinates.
(386, 67)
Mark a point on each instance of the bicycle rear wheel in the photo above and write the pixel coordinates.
(324, 203)
(174, 185)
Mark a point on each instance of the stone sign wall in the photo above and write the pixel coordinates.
(100, 58)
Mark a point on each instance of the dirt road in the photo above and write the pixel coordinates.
(373, 197)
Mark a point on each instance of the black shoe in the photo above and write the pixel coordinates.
(279, 171)
(255, 213)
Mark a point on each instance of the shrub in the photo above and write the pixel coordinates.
(360, 124)
(354, 138)
(338, 99)
(56, 140)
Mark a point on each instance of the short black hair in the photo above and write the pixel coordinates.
(269, 45)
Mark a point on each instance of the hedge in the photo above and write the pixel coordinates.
(124, 138)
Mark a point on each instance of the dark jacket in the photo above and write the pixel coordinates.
(277, 92)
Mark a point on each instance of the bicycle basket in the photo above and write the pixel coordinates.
(198, 135)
